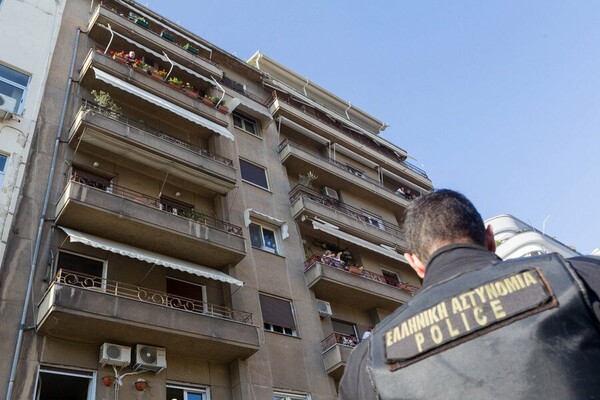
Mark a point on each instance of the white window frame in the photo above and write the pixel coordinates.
(276, 236)
(3, 170)
(203, 390)
(103, 261)
(257, 166)
(246, 120)
(18, 86)
(91, 375)
(277, 395)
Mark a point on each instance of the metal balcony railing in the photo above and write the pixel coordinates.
(345, 168)
(338, 338)
(362, 139)
(300, 191)
(338, 264)
(87, 105)
(237, 87)
(156, 203)
(149, 296)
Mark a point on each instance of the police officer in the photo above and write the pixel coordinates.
(481, 328)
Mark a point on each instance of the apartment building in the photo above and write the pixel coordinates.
(23, 72)
(215, 229)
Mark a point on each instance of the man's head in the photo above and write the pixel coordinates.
(438, 219)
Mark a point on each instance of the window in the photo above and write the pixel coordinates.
(93, 180)
(186, 393)
(181, 292)
(176, 207)
(277, 315)
(54, 383)
(13, 87)
(254, 174)
(391, 278)
(263, 238)
(3, 162)
(246, 124)
(81, 265)
(289, 396)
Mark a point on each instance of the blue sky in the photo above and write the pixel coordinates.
(499, 100)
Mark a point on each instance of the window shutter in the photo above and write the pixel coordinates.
(277, 312)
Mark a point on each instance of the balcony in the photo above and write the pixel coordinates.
(98, 127)
(336, 351)
(85, 308)
(145, 82)
(299, 159)
(134, 218)
(149, 37)
(307, 202)
(364, 290)
(281, 102)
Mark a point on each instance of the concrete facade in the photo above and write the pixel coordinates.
(156, 217)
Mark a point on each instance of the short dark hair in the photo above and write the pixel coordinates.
(441, 217)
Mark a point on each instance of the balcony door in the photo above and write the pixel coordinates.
(185, 295)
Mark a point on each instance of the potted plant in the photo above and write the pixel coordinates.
(141, 66)
(208, 100)
(189, 90)
(141, 21)
(119, 56)
(191, 49)
(222, 107)
(166, 35)
(104, 100)
(355, 269)
(159, 75)
(175, 82)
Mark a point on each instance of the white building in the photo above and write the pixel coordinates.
(25, 56)
(515, 238)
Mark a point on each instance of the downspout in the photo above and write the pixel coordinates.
(38, 240)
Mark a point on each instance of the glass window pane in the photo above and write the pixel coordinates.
(237, 122)
(3, 159)
(14, 76)
(194, 396)
(269, 238)
(256, 235)
(254, 174)
(250, 127)
(13, 92)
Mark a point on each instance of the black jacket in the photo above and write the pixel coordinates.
(444, 265)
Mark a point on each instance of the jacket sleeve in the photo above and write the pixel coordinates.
(355, 384)
(588, 269)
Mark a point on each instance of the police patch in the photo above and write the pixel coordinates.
(463, 317)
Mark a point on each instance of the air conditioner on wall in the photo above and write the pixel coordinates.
(7, 107)
(150, 358)
(327, 191)
(324, 308)
(114, 354)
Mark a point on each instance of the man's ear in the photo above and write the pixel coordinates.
(490, 242)
(416, 264)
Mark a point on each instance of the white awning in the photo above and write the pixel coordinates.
(281, 224)
(157, 54)
(358, 241)
(148, 256)
(120, 84)
(249, 104)
(306, 132)
(355, 156)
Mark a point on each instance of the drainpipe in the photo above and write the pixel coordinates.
(38, 240)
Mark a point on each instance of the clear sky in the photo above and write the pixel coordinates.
(499, 100)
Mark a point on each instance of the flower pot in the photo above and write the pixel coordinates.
(142, 23)
(174, 85)
(120, 59)
(208, 102)
(140, 386)
(191, 49)
(223, 109)
(167, 36)
(107, 380)
(355, 270)
(192, 93)
(157, 77)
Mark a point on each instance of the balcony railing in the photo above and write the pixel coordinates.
(345, 168)
(149, 296)
(239, 88)
(338, 338)
(87, 105)
(157, 203)
(323, 118)
(300, 191)
(338, 264)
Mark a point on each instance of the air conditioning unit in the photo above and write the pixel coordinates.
(327, 191)
(7, 107)
(114, 354)
(324, 308)
(150, 358)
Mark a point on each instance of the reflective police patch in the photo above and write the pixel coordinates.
(465, 316)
